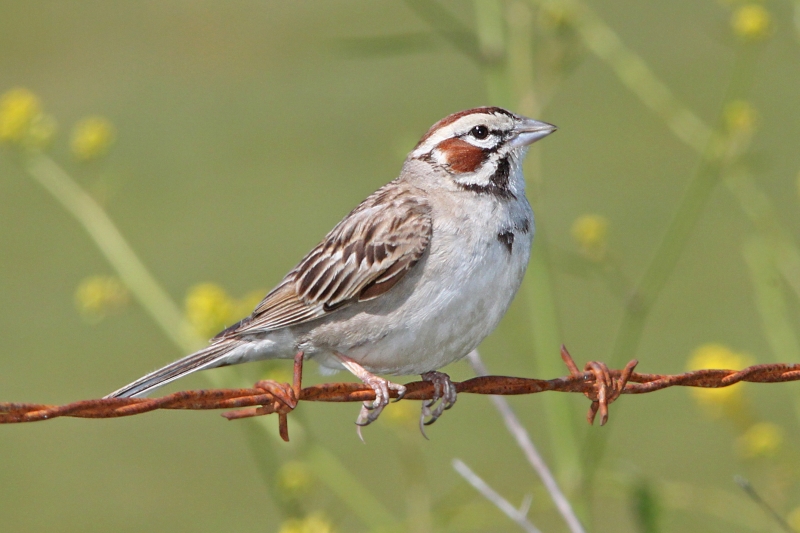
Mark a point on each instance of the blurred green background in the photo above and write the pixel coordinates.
(667, 216)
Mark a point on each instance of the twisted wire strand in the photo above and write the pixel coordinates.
(267, 396)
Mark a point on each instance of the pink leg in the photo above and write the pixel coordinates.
(370, 411)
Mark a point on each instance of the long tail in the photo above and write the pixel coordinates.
(210, 357)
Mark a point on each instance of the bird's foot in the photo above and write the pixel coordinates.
(371, 410)
(444, 392)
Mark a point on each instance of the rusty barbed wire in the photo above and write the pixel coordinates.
(599, 383)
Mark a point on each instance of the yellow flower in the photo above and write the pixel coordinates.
(717, 356)
(18, 108)
(22, 120)
(313, 523)
(794, 519)
(763, 439)
(591, 234)
(209, 309)
(751, 21)
(91, 138)
(99, 296)
(295, 479)
(740, 117)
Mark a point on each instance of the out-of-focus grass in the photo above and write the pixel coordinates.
(226, 121)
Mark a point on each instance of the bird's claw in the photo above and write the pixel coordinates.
(371, 410)
(444, 392)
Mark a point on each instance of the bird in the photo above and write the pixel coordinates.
(411, 280)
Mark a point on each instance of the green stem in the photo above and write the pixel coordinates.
(719, 154)
(505, 40)
(770, 299)
(113, 246)
(168, 318)
(636, 75)
(765, 219)
(546, 345)
(658, 271)
(664, 260)
(341, 482)
(492, 42)
(447, 26)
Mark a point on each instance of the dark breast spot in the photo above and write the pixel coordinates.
(507, 238)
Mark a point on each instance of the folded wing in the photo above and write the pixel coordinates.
(363, 257)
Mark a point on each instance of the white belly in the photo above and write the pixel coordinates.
(453, 298)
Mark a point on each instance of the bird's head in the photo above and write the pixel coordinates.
(481, 148)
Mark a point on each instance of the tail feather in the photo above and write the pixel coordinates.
(210, 357)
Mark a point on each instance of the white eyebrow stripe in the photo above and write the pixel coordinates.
(459, 127)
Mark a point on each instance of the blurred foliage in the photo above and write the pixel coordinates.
(645, 507)
(719, 401)
(92, 137)
(740, 117)
(99, 296)
(794, 518)
(247, 130)
(22, 120)
(751, 21)
(591, 234)
(763, 439)
(210, 309)
(310, 524)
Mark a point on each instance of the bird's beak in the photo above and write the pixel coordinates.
(528, 131)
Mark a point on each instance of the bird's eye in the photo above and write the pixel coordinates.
(480, 132)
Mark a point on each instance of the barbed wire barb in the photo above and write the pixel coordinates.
(597, 382)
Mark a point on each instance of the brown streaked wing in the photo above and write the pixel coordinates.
(364, 256)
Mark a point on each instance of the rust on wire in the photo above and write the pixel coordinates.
(599, 383)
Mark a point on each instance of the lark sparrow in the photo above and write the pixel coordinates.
(412, 279)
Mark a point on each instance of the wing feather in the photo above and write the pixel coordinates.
(361, 258)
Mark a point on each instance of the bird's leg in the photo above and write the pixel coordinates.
(443, 391)
(370, 411)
